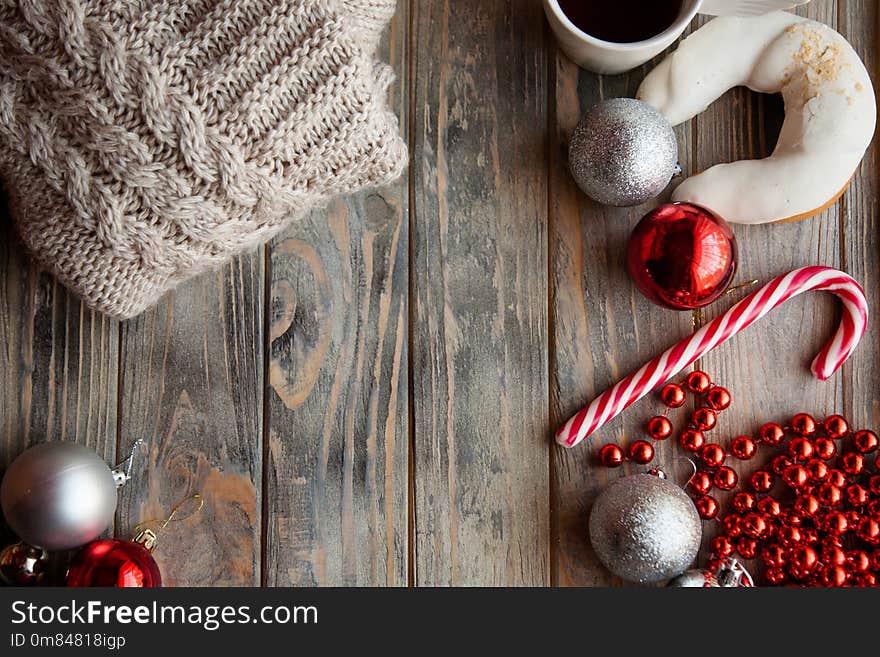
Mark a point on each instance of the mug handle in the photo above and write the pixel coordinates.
(746, 7)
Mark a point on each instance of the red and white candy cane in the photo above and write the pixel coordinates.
(638, 384)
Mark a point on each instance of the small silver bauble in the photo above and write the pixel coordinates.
(623, 152)
(645, 529)
(731, 574)
(59, 495)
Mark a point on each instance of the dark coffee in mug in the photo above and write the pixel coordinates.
(622, 21)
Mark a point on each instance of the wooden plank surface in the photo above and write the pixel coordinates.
(479, 269)
(337, 402)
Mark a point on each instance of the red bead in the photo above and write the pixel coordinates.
(641, 452)
(804, 557)
(611, 456)
(116, 563)
(772, 434)
(691, 440)
(853, 517)
(704, 419)
(856, 495)
(659, 428)
(747, 548)
(877, 462)
(809, 535)
(806, 505)
(718, 398)
(743, 502)
(873, 509)
(800, 449)
(698, 382)
(707, 507)
(852, 463)
(869, 530)
(673, 395)
(755, 525)
(834, 576)
(791, 518)
(775, 576)
(836, 426)
(865, 441)
(701, 483)
(761, 481)
(712, 455)
(770, 507)
(830, 495)
(743, 448)
(722, 547)
(818, 470)
(774, 555)
(789, 536)
(725, 478)
(867, 580)
(825, 448)
(835, 522)
(859, 561)
(837, 478)
(874, 485)
(731, 523)
(875, 559)
(796, 476)
(803, 424)
(780, 464)
(833, 555)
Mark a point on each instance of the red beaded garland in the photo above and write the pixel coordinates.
(769, 506)
(704, 419)
(723, 547)
(803, 424)
(701, 483)
(718, 398)
(818, 471)
(779, 464)
(852, 463)
(743, 448)
(800, 449)
(865, 442)
(641, 452)
(673, 395)
(856, 495)
(691, 440)
(836, 427)
(825, 448)
(725, 478)
(707, 507)
(747, 547)
(837, 477)
(774, 555)
(744, 502)
(698, 382)
(772, 434)
(659, 428)
(755, 525)
(732, 525)
(712, 455)
(611, 456)
(761, 481)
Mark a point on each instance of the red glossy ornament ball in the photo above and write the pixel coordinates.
(835, 522)
(796, 476)
(774, 555)
(859, 561)
(804, 558)
(837, 478)
(712, 455)
(718, 398)
(731, 523)
(857, 496)
(865, 442)
(701, 483)
(829, 494)
(723, 547)
(673, 395)
(704, 419)
(780, 464)
(641, 452)
(874, 485)
(682, 256)
(698, 382)
(659, 428)
(852, 463)
(725, 478)
(836, 426)
(747, 548)
(691, 439)
(819, 471)
(743, 502)
(800, 449)
(770, 507)
(869, 530)
(834, 576)
(873, 509)
(772, 434)
(806, 505)
(707, 506)
(115, 563)
(825, 448)
(743, 448)
(791, 518)
(833, 555)
(803, 424)
(755, 525)
(775, 576)
(789, 536)
(611, 456)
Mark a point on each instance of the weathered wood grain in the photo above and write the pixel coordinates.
(192, 387)
(337, 406)
(479, 284)
(601, 326)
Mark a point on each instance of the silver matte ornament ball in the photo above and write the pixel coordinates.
(623, 152)
(645, 529)
(58, 495)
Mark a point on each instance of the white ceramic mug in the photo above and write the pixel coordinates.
(607, 57)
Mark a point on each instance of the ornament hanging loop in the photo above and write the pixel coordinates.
(122, 471)
(149, 537)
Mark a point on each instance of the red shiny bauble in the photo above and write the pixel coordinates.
(834, 576)
(673, 395)
(712, 455)
(836, 426)
(833, 555)
(779, 464)
(869, 530)
(659, 428)
(743, 502)
(725, 478)
(800, 449)
(865, 442)
(796, 476)
(718, 398)
(807, 505)
(707, 506)
(789, 536)
(611, 456)
(691, 439)
(641, 452)
(701, 482)
(825, 448)
(704, 419)
(835, 522)
(755, 525)
(115, 563)
(682, 256)
(743, 448)
(830, 495)
(874, 485)
(857, 496)
(837, 478)
(774, 555)
(698, 382)
(770, 507)
(747, 548)
(772, 434)
(819, 471)
(731, 523)
(852, 463)
(859, 561)
(723, 547)
(804, 558)
(803, 424)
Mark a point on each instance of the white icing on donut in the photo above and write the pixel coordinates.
(830, 112)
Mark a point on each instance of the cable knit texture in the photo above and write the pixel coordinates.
(145, 141)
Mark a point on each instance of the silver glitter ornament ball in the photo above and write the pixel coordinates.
(58, 495)
(645, 529)
(623, 152)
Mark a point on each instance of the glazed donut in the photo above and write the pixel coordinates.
(830, 112)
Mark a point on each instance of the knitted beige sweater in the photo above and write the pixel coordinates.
(145, 141)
